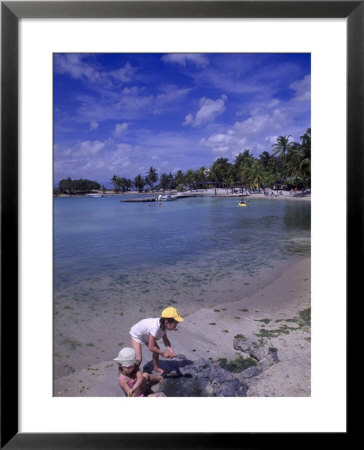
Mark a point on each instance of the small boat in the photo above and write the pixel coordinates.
(95, 195)
(242, 203)
(166, 198)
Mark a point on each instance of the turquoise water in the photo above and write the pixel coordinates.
(116, 263)
(95, 236)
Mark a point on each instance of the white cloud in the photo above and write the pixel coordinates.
(123, 74)
(258, 132)
(179, 89)
(120, 128)
(95, 160)
(133, 90)
(263, 122)
(87, 148)
(302, 88)
(72, 64)
(225, 143)
(274, 102)
(209, 110)
(171, 93)
(188, 119)
(75, 65)
(183, 59)
(93, 126)
(271, 139)
(122, 157)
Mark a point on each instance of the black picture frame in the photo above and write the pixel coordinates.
(11, 12)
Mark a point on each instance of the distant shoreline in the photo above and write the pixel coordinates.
(221, 193)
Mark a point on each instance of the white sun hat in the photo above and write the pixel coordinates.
(126, 357)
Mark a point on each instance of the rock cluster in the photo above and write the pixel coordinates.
(206, 378)
(264, 356)
(202, 378)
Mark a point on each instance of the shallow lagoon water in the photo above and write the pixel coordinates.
(94, 236)
(117, 262)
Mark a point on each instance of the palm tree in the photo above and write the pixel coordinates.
(214, 176)
(244, 171)
(200, 176)
(298, 159)
(243, 162)
(219, 171)
(282, 145)
(124, 184)
(116, 182)
(139, 182)
(172, 184)
(165, 181)
(265, 159)
(305, 165)
(230, 183)
(288, 159)
(306, 140)
(189, 178)
(128, 184)
(179, 180)
(243, 158)
(256, 176)
(152, 177)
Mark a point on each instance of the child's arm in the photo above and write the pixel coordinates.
(124, 386)
(153, 347)
(168, 345)
(135, 391)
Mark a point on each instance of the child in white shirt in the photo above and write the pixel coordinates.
(149, 331)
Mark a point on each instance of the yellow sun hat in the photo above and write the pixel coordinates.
(171, 313)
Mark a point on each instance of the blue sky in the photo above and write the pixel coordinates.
(123, 113)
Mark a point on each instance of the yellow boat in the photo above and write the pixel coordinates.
(242, 204)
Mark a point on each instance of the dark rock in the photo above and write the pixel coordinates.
(258, 353)
(204, 378)
(252, 371)
(273, 353)
(171, 366)
(241, 343)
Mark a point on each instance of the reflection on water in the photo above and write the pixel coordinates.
(299, 218)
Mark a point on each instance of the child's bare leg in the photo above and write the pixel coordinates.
(156, 361)
(141, 388)
(156, 378)
(138, 351)
(151, 378)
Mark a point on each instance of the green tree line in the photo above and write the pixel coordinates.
(82, 186)
(288, 164)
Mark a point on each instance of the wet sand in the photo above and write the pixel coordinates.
(268, 313)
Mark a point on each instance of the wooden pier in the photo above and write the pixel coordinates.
(139, 200)
(155, 199)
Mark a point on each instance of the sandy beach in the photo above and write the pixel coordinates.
(270, 315)
(271, 194)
